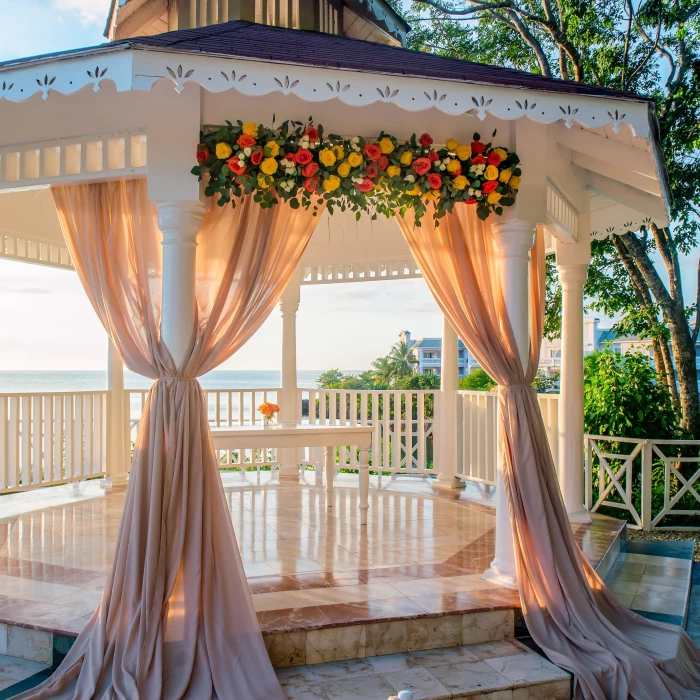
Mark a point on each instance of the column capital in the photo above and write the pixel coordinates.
(572, 275)
(289, 306)
(514, 237)
(180, 221)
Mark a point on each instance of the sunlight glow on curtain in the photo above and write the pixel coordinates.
(613, 653)
(176, 618)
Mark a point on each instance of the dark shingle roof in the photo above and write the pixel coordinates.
(243, 39)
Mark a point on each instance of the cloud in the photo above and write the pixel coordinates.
(88, 11)
(31, 290)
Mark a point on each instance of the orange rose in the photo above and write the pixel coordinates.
(246, 141)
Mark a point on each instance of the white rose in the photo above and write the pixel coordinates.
(241, 155)
(410, 178)
(477, 193)
(247, 151)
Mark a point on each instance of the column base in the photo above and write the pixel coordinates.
(111, 482)
(502, 578)
(289, 477)
(447, 481)
(579, 516)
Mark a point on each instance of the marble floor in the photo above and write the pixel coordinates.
(308, 566)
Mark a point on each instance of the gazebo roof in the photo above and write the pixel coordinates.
(248, 40)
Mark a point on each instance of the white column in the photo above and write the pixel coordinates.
(514, 239)
(180, 222)
(572, 277)
(446, 452)
(290, 405)
(117, 432)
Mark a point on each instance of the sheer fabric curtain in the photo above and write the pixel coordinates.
(612, 652)
(176, 618)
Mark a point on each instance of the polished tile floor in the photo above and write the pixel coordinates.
(308, 566)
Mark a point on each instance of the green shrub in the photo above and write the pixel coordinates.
(476, 380)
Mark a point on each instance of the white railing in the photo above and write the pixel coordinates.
(225, 407)
(479, 410)
(51, 438)
(626, 469)
(402, 420)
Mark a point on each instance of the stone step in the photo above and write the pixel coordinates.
(497, 670)
(14, 671)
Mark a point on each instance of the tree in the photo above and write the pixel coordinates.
(476, 380)
(382, 371)
(330, 379)
(647, 46)
(401, 360)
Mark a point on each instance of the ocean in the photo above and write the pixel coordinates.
(49, 381)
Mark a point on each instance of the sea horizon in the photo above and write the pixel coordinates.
(47, 381)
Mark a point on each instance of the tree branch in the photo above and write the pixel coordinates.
(696, 329)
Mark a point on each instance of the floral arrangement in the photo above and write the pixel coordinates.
(268, 410)
(306, 167)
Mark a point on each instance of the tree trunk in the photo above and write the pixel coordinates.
(670, 372)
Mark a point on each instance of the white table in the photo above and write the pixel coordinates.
(242, 437)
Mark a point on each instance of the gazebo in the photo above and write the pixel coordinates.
(132, 111)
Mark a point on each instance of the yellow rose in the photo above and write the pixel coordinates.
(432, 195)
(452, 145)
(250, 128)
(501, 152)
(344, 169)
(505, 175)
(223, 150)
(491, 172)
(269, 166)
(272, 149)
(339, 152)
(493, 197)
(463, 152)
(327, 157)
(453, 166)
(386, 145)
(354, 159)
(331, 183)
(406, 158)
(263, 184)
(460, 182)
(393, 171)
(414, 190)
(514, 183)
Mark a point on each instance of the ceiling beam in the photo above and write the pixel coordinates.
(130, 23)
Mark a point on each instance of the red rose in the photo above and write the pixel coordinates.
(489, 186)
(494, 158)
(309, 170)
(235, 165)
(435, 181)
(288, 156)
(245, 141)
(312, 133)
(303, 156)
(366, 185)
(371, 171)
(372, 151)
(256, 156)
(421, 165)
(433, 156)
(425, 140)
(478, 160)
(470, 201)
(382, 163)
(311, 185)
(478, 147)
(202, 153)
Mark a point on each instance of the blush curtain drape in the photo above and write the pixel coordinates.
(176, 618)
(613, 653)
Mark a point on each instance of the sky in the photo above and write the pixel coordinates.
(46, 322)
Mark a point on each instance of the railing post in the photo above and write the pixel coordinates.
(588, 471)
(118, 441)
(647, 451)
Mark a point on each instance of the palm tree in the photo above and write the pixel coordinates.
(382, 371)
(401, 360)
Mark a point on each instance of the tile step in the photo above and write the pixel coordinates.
(14, 670)
(497, 670)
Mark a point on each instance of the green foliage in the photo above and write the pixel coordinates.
(418, 382)
(476, 380)
(546, 385)
(330, 379)
(622, 398)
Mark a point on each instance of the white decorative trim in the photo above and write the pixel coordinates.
(621, 226)
(360, 272)
(561, 213)
(24, 249)
(142, 69)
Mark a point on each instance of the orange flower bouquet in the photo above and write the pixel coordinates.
(269, 412)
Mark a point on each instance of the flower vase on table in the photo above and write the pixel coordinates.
(269, 412)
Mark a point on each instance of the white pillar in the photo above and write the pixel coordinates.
(446, 445)
(117, 432)
(290, 405)
(514, 239)
(572, 265)
(180, 222)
